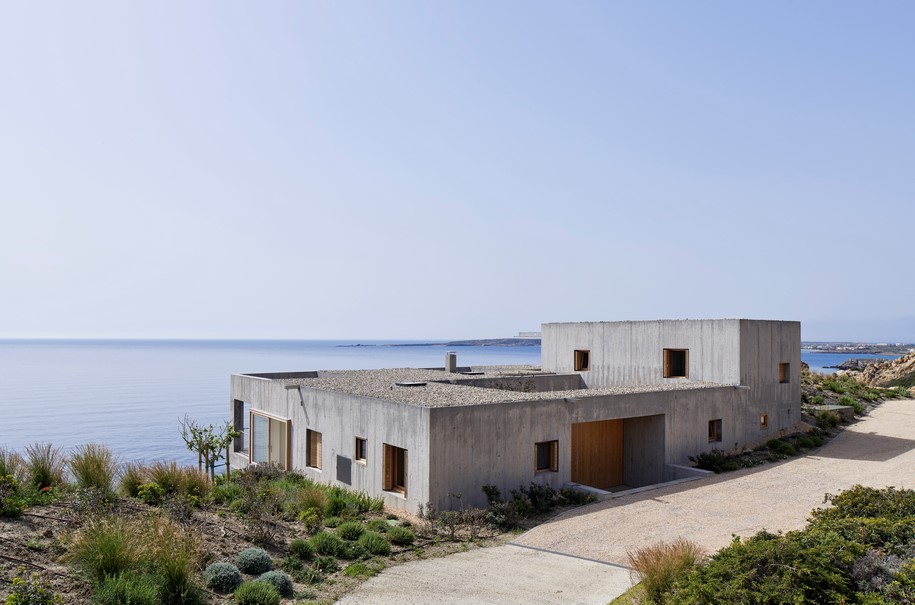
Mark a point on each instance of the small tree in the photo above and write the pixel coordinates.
(210, 442)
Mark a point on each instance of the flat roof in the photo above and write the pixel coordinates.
(437, 390)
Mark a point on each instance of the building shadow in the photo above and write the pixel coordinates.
(867, 446)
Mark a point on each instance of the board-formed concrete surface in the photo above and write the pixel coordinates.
(503, 575)
(878, 451)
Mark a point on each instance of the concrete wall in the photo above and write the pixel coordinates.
(631, 353)
(340, 418)
(763, 346)
(494, 444)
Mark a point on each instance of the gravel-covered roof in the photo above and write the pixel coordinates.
(382, 384)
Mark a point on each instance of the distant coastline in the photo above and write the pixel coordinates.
(483, 342)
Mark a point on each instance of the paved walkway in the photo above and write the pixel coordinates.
(877, 451)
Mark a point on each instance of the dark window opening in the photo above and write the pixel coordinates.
(763, 421)
(395, 469)
(582, 360)
(546, 456)
(361, 449)
(784, 372)
(714, 430)
(676, 363)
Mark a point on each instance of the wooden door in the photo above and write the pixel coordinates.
(597, 453)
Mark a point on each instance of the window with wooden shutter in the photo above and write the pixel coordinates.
(269, 439)
(395, 469)
(546, 456)
(784, 372)
(676, 363)
(313, 449)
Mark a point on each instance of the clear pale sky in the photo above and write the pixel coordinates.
(454, 169)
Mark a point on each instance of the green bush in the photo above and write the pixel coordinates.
(30, 591)
(254, 561)
(351, 530)
(222, 576)
(301, 549)
(378, 525)
(105, 548)
(817, 400)
(332, 522)
(12, 463)
(363, 570)
(805, 442)
(828, 419)
(257, 593)
(335, 506)
(45, 465)
(352, 551)
(94, 467)
(133, 475)
(151, 493)
(660, 565)
(375, 543)
(326, 543)
(325, 564)
(127, 589)
(11, 503)
(780, 448)
(279, 580)
(847, 400)
(401, 536)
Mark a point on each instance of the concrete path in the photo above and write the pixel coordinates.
(877, 451)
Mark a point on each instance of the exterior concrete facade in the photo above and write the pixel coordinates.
(634, 400)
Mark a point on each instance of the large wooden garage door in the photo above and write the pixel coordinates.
(597, 453)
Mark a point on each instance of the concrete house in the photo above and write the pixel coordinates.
(614, 405)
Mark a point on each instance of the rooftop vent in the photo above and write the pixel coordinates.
(451, 361)
(410, 384)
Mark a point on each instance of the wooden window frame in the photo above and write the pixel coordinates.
(287, 427)
(582, 361)
(390, 463)
(714, 431)
(314, 449)
(361, 443)
(554, 456)
(667, 363)
(763, 421)
(784, 373)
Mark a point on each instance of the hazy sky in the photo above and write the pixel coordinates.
(454, 169)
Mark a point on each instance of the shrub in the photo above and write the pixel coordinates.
(30, 591)
(780, 448)
(151, 493)
(127, 589)
(817, 400)
(660, 565)
(94, 467)
(828, 419)
(375, 543)
(133, 475)
(257, 593)
(378, 525)
(352, 551)
(351, 530)
(325, 564)
(335, 506)
(363, 570)
(716, 461)
(11, 504)
(105, 548)
(301, 549)
(222, 576)
(326, 543)
(12, 463)
(279, 580)
(172, 554)
(45, 466)
(254, 561)
(332, 521)
(401, 536)
(805, 442)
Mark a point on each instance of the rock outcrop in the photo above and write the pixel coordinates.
(857, 364)
(888, 373)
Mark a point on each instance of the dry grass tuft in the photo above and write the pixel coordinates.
(658, 566)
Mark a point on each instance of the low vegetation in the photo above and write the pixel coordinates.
(859, 550)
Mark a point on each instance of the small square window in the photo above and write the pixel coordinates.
(313, 449)
(362, 446)
(714, 430)
(784, 373)
(582, 360)
(763, 421)
(676, 363)
(546, 456)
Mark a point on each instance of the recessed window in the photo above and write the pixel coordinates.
(269, 440)
(784, 373)
(313, 449)
(676, 363)
(546, 456)
(763, 421)
(582, 360)
(714, 430)
(362, 447)
(395, 469)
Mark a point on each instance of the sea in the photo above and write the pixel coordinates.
(132, 394)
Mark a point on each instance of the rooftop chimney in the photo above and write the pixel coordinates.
(451, 361)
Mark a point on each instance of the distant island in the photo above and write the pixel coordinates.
(482, 342)
(865, 348)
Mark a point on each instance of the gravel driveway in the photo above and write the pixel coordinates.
(550, 563)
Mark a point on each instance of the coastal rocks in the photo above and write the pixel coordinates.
(888, 373)
(856, 364)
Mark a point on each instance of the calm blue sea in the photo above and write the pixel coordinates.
(130, 395)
